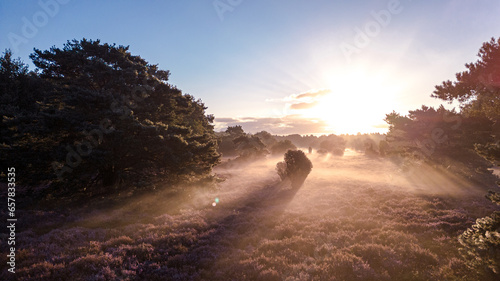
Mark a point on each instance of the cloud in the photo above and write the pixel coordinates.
(247, 119)
(313, 93)
(290, 124)
(226, 120)
(303, 105)
(305, 100)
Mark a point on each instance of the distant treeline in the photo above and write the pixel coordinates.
(235, 143)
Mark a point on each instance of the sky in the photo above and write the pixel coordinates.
(284, 66)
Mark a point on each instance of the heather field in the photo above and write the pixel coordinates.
(355, 218)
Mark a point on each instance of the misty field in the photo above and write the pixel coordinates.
(355, 218)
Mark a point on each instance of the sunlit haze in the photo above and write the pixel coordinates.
(249, 61)
(250, 140)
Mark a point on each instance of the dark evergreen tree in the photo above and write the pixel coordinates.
(282, 146)
(235, 131)
(478, 91)
(25, 142)
(477, 88)
(266, 138)
(439, 137)
(112, 118)
(481, 244)
(250, 147)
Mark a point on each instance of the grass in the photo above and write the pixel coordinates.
(355, 218)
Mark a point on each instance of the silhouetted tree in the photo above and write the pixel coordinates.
(439, 137)
(266, 138)
(382, 147)
(295, 168)
(23, 127)
(478, 88)
(371, 148)
(235, 131)
(250, 147)
(478, 91)
(282, 146)
(114, 118)
(332, 144)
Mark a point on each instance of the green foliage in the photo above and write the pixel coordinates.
(383, 147)
(250, 147)
(333, 145)
(295, 168)
(24, 139)
(225, 145)
(107, 117)
(235, 131)
(234, 142)
(439, 137)
(478, 91)
(490, 151)
(282, 146)
(371, 148)
(266, 138)
(477, 88)
(481, 242)
(450, 138)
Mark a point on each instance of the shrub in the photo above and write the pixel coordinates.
(338, 151)
(250, 147)
(335, 146)
(282, 147)
(295, 168)
(481, 242)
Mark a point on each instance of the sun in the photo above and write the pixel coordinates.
(355, 101)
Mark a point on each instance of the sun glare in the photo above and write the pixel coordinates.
(357, 101)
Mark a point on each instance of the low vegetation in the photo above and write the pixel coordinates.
(337, 226)
(295, 168)
(119, 173)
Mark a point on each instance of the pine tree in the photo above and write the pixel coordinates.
(110, 119)
(478, 91)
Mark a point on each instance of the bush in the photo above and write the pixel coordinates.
(335, 146)
(338, 151)
(282, 147)
(296, 167)
(481, 243)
